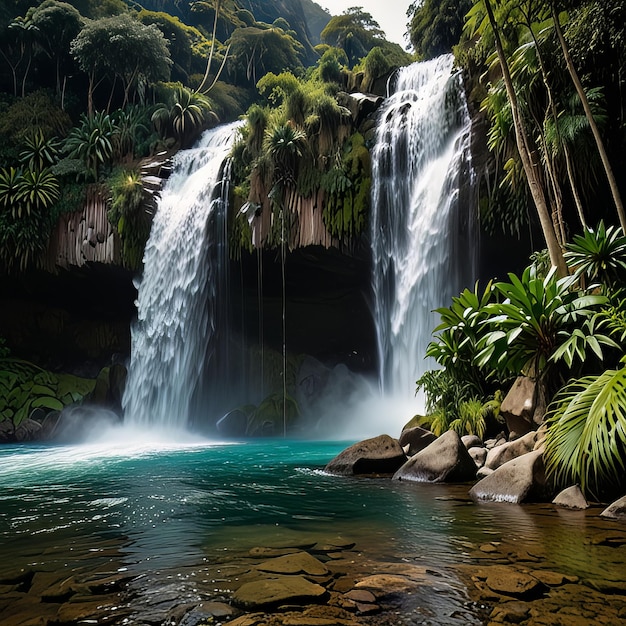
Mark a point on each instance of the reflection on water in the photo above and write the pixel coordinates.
(167, 510)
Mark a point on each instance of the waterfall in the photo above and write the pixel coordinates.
(422, 224)
(180, 292)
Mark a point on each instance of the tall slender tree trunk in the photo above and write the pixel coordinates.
(521, 138)
(617, 199)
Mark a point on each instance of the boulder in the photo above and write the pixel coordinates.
(416, 439)
(378, 455)
(518, 406)
(444, 460)
(272, 592)
(472, 441)
(510, 450)
(571, 498)
(7, 431)
(28, 430)
(520, 480)
(479, 455)
(617, 510)
(233, 424)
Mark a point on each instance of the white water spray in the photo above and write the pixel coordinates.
(177, 302)
(422, 225)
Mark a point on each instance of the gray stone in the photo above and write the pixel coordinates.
(378, 455)
(571, 498)
(510, 450)
(520, 480)
(617, 510)
(416, 439)
(472, 441)
(444, 460)
(483, 472)
(28, 430)
(479, 455)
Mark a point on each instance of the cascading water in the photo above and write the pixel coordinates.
(179, 293)
(422, 225)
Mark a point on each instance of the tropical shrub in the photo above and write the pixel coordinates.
(92, 142)
(532, 327)
(128, 215)
(598, 256)
(586, 435)
(39, 152)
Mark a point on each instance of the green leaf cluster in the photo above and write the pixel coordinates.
(25, 387)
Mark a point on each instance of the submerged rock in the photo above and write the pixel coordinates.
(520, 480)
(272, 592)
(444, 460)
(378, 455)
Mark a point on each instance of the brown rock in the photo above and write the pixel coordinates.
(382, 585)
(379, 455)
(508, 581)
(361, 595)
(272, 592)
(511, 612)
(444, 460)
(518, 406)
(296, 563)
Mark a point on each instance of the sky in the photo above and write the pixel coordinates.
(390, 14)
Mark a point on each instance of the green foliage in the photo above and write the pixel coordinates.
(132, 132)
(184, 116)
(39, 152)
(24, 387)
(435, 25)
(92, 142)
(598, 256)
(347, 191)
(532, 327)
(127, 214)
(36, 112)
(122, 47)
(586, 435)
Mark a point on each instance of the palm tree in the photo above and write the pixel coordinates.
(592, 123)
(523, 146)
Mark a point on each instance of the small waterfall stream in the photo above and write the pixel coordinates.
(179, 293)
(422, 225)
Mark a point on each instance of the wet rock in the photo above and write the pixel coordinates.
(551, 579)
(617, 510)
(483, 472)
(444, 460)
(28, 430)
(416, 439)
(379, 455)
(361, 595)
(382, 585)
(7, 431)
(571, 498)
(511, 612)
(296, 563)
(263, 552)
(520, 480)
(272, 592)
(510, 450)
(203, 612)
(233, 424)
(508, 581)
